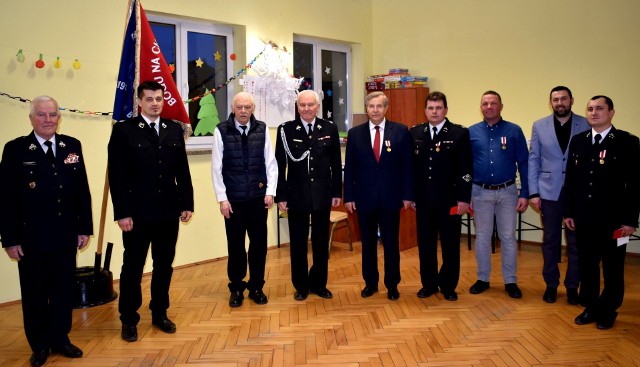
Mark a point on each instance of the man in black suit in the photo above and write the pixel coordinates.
(442, 167)
(378, 182)
(603, 202)
(47, 218)
(309, 184)
(151, 190)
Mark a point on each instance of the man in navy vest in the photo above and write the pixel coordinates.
(245, 174)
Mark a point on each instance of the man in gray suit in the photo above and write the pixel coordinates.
(548, 154)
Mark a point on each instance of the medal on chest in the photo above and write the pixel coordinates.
(387, 143)
(504, 142)
(603, 153)
(437, 146)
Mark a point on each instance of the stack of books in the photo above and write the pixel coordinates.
(396, 78)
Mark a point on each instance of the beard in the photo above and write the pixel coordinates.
(562, 112)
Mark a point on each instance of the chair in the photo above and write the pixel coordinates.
(339, 220)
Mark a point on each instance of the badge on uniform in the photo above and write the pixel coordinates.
(387, 143)
(32, 147)
(72, 158)
(32, 185)
(260, 185)
(437, 146)
(603, 153)
(164, 126)
(504, 142)
(62, 144)
(141, 125)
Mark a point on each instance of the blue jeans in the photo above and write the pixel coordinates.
(500, 204)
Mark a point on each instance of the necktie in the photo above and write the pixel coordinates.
(153, 126)
(435, 132)
(49, 152)
(597, 139)
(244, 134)
(376, 144)
(309, 130)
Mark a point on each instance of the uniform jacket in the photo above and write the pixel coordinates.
(44, 207)
(547, 163)
(383, 184)
(442, 167)
(311, 183)
(600, 181)
(148, 174)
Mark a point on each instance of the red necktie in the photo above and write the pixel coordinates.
(376, 144)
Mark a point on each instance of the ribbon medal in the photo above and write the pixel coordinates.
(388, 145)
(603, 153)
(437, 146)
(504, 142)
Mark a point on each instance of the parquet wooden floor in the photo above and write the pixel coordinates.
(489, 329)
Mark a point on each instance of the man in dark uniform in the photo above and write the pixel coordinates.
(150, 189)
(47, 217)
(378, 182)
(245, 175)
(603, 203)
(309, 184)
(442, 167)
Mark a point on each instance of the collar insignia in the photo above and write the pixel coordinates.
(32, 147)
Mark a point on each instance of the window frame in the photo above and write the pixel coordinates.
(318, 46)
(182, 28)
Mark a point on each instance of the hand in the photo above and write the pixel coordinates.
(627, 231)
(522, 206)
(350, 206)
(406, 204)
(225, 209)
(268, 201)
(15, 252)
(335, 202)
(125, 224)
(463, 208)
(283, 206)
(536, 204)
(83, 241)
(568, 222)
(186, 215)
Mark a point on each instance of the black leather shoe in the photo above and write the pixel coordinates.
(479, 287)
(368, 291)
(39, 358)
(450, 296)
(322, 292)
(585, 318)
(129, 333)
(573, 298)
(235, 300)
(258, 296)
(605, 323)
(300, 296)
(164, 324)
(393, 294)
(69, 351)
(550, 295)
(513, 290)
(424, 292)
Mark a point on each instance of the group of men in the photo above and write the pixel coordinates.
(576, 173)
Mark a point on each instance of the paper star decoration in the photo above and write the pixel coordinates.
(341, 101)
(340, 83)
(329, 92)
(327, 70)
(328, 114)
(217, 56)
(199, 62)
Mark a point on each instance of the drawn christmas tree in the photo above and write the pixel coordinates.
(207, 116)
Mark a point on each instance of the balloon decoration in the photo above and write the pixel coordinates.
(40, 62)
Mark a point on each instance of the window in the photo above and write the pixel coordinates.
(326, 68)
(200, 54)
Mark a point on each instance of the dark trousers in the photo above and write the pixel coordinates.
(389, 222)
(248, 218)
(316, 277)
(595, 245)
(47, 281)
(552, 246)
(430, 223)
(162, 237)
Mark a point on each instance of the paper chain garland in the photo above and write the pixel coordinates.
(213, 90)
